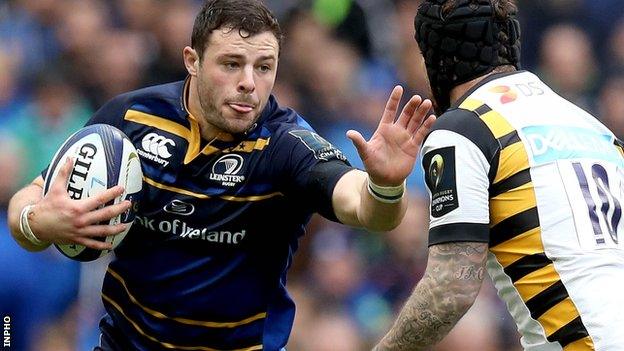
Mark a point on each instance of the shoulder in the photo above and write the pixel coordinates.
(157, 101)
(163, 91)
(291, 134)
(285, 124)
(282, 118)
(460, 127)
(464, 122)
(163, 100)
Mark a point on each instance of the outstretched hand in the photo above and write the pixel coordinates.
(390, 154)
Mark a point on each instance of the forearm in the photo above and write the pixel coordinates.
(429, 314)
(29, 195)
(447, 290)
(355, 206)
(376, 215)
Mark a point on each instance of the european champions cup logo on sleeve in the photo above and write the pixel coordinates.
(436, 170)
(441, 180)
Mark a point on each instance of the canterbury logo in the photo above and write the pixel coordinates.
(157, 145)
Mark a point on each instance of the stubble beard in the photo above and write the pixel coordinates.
(212, 114)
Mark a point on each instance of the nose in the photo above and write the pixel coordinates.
(246, 84)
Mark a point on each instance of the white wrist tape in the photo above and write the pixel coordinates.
(25, 227)
(386, 194)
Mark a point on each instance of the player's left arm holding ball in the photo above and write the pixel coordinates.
(374, 199)
(56, 218)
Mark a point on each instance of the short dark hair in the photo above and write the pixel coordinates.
(249, 17)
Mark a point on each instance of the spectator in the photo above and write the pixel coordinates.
(611, 104)
(43, 124)
(568, 63)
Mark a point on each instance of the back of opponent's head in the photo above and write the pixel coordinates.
(248, 17)
(464, 39)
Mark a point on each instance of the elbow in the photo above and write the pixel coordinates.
(13, 216)
(463, 298)
(458, 297)
(464, 303)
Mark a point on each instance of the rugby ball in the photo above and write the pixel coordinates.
(103, 158)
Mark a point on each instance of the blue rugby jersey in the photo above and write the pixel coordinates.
(204, 265)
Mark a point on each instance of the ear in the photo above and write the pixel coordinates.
(191, 60)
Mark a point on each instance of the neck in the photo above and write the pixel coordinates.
(206, 130)
(461, 89)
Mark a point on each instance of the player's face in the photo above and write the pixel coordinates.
(235, 78)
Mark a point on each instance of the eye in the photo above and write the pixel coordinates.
(264, 68)
(230, 65)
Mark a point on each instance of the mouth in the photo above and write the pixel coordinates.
(241, 107)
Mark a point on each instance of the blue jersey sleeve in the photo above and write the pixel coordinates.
(311, 167)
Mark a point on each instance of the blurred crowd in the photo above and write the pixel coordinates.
(62, 59)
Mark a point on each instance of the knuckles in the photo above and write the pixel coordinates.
(74, 210)
(79, 222)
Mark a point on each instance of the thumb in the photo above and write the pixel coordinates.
(62, 178)
(358, 141)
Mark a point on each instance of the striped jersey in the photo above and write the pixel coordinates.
(542, 181)
(204, 264)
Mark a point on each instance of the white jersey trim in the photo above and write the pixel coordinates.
(533, 334)
(471, 174)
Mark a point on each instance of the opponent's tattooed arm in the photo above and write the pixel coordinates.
(447, 290)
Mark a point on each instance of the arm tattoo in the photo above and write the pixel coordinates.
(448, 288)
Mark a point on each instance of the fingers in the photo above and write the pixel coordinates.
(102, 198)
(392, 105)
(105, 214)
(358, 141)
(407, 115)
(89, 236)
(94, 244)
(424, 129)
(102, 230)
(62, 178)
(418, 116)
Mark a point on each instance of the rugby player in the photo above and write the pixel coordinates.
(230, 180)
(523, 184)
